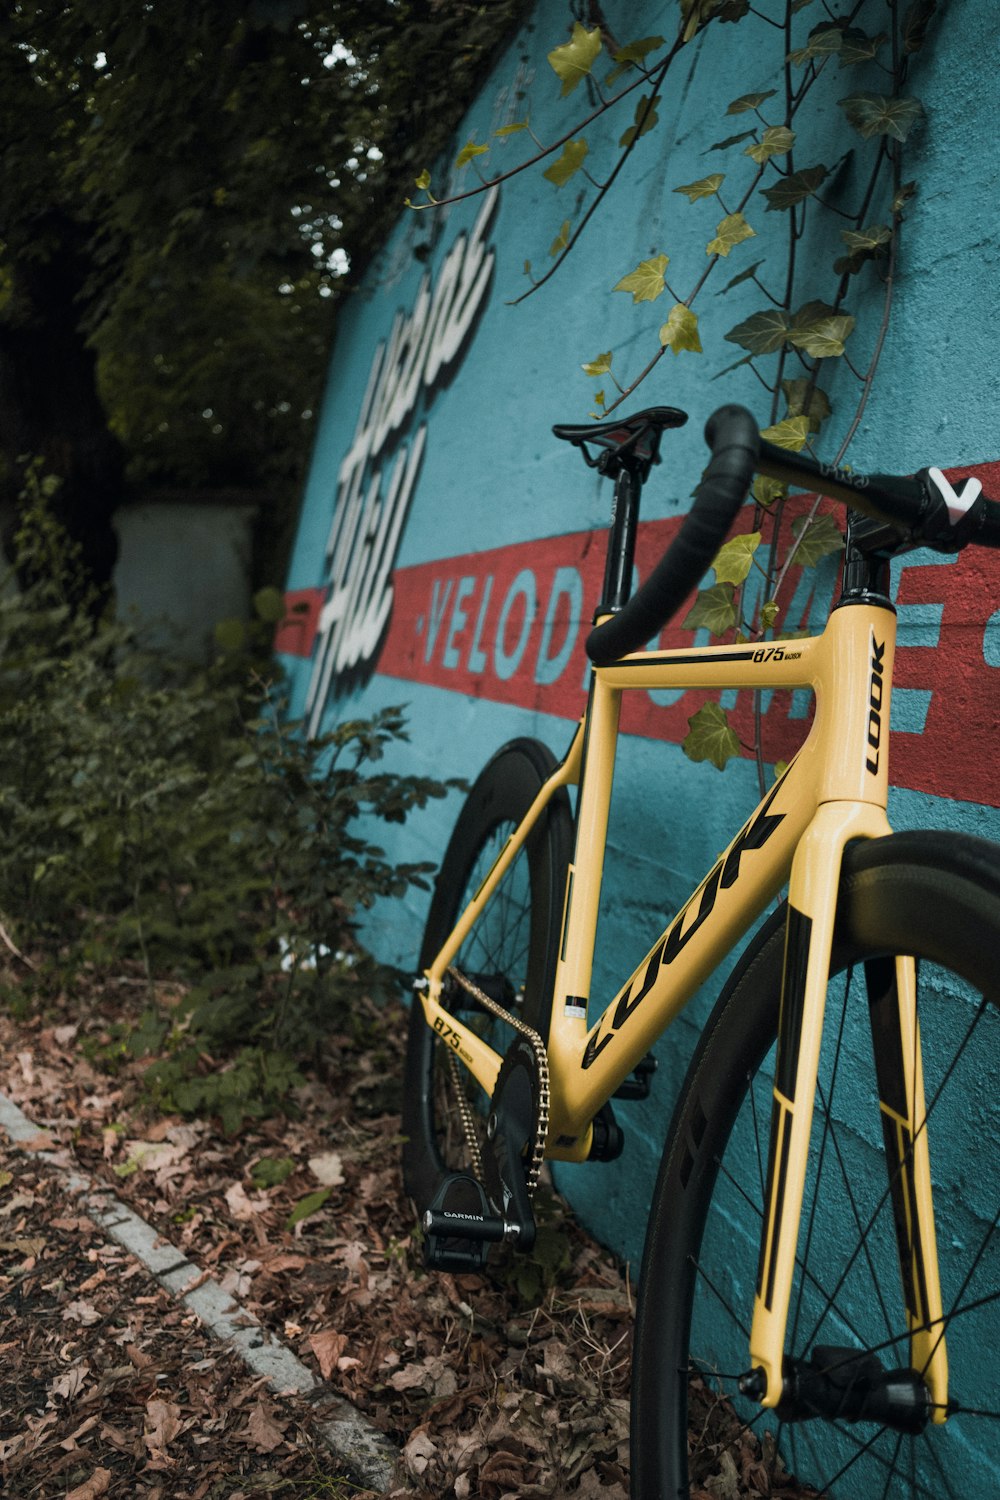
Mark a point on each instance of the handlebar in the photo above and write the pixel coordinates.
(921, 510)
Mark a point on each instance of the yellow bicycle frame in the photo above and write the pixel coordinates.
(834, 791)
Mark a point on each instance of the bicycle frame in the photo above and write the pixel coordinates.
(834, 791)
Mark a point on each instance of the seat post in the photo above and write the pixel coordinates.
(621, 540)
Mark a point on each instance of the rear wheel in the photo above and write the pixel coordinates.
(511, 953)
(937, 897)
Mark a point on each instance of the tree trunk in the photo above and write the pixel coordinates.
(50, 408)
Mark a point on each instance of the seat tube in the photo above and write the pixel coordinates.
(568, 1029)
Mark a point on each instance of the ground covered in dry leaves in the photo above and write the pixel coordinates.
(515, 1385)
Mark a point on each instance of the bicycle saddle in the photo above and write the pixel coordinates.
(623, 438)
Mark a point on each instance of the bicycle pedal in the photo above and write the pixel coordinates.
(636, 1086)
(460, 1226)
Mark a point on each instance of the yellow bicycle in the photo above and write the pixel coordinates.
(802, 1257)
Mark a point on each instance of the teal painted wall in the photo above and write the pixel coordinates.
(470, 471)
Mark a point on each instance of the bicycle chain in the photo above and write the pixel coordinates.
(537, 1153)
(468, 1119)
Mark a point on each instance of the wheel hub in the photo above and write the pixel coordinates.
(847, 1385)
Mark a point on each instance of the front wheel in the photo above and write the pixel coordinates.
(936, 897)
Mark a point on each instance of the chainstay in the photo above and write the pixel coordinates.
(536, 1155)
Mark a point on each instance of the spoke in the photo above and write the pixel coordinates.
(818, 1175)
(893, 1176)
(947, 1318)
(756, 1135)
(890, 1476)
(743, 1327)
(863, 1448)
(863, 1233)
(931, 1450)
(807, 1275)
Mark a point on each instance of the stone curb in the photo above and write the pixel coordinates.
(366, 1453)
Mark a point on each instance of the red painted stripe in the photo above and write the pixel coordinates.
(296, 634)
(502, 625)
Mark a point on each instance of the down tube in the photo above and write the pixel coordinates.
(748, 875)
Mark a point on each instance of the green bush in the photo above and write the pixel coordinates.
(168, 818)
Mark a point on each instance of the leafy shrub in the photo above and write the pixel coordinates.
(166, 818)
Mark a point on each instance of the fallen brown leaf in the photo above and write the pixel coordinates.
(327, 1346)
(263, 1430)
(96, 1485)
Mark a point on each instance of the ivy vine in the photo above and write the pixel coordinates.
(805, 322)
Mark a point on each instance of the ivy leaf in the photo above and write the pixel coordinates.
(915, 23)
(862, 245)
(814, 539)
(776, 141)
(734, 558)
(732, 230)
(512, 129)
(468, 151)
(574, 59)
(424, 180)
(767, 491)
(680, 332)
(903, 197)
(857, 47)
(733, 10)
(746, 102)
(599, 366)
(762, 333)
(743, 276)
(790, 433)
(709, 737)
(825, 338)
(695, 14)
(875, 114)
(571, 161)
(824, 41)
(794, 187)
(705, 187)
(713, 608)
(866, 239)
(814, 403)
(769, 614)
(646, 281)
(310, 1204)
(731, 140)
(636, 51)
(645, 118)
(561, 240)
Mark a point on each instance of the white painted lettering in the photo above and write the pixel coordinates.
(369, 513)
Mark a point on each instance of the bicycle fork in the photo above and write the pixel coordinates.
(841, 1382)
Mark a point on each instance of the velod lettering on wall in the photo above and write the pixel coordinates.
(424, 348)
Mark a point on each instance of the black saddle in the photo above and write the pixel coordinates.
(632, 442)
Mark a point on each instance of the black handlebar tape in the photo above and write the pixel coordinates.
(732, 435)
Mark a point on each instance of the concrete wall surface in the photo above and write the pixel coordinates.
(467, 585)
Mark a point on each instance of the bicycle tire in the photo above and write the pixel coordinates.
(517, 937)
(935, 896)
